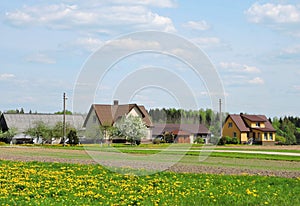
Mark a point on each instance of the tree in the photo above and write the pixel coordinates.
(132, 128)
(73, 138)
(8, 135)
(168, 137)
(57, 130)
(40, 130)
(62, 112)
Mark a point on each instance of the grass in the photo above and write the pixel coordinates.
(36, 183)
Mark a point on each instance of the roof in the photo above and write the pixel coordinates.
(108, 114)
(24, 121)
(254, 118)
(239, 121)
(158, 129)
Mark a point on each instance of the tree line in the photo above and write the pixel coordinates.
(287, 129)
(208, 117)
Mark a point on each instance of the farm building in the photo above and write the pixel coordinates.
(22, 122)
(184, 133)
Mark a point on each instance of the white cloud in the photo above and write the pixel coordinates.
(207, 42)
(276, 13)
(87, 43)
(133, 44)
(154, 3)
(242, 68)
(83, 16)
(197, 25)
(40, 58)
(256, 80)
(6, 76)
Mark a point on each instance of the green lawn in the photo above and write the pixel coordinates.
(36, 183)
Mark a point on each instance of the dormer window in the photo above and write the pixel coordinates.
(257, 124)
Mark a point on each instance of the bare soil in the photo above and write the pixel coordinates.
(81, 157)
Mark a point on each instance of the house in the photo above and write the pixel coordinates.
(183, 133)
(249, 128)
(107, 115)
(22, 122)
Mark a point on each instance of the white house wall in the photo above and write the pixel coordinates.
(135, 112)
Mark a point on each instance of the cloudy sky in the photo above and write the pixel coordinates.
(253, 45)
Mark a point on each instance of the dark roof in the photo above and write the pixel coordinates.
(254, 118)
(108, 114)
(159, 129)
(239, 121)
(22, 122)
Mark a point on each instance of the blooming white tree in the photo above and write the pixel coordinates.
(132, 128)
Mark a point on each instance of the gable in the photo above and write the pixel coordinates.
(109, 114)
(238, 121)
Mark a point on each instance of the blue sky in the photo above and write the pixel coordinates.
(254, 46)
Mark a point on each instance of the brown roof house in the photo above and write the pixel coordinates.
(184, 133)
(249, 128)
(106, 115)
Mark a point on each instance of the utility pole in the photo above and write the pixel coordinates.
(64, 118)
(220, 113)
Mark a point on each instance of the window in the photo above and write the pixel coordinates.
(229, 124)
(94, 119)
(257, 124)
(271, 136)
(234, 134)
(266, 136)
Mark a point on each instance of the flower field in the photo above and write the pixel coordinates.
(37, 183)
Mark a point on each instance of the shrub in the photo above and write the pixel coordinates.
(73, 138)
(280, 139)
(156, 141)
(235, 140)
(199, 140)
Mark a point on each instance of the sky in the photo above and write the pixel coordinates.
(254, 46)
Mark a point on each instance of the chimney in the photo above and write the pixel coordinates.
(116, 102)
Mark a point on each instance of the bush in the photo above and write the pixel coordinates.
(199, 140)
(156, 141)
(73, 138)
(235, 140)
(222, 141)
(280, 139)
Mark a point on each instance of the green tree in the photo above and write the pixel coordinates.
(72, 137)
(168, 137)
(62, 112)
(8, 135)
(132, 128)
(40, 131)
(57, 130)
